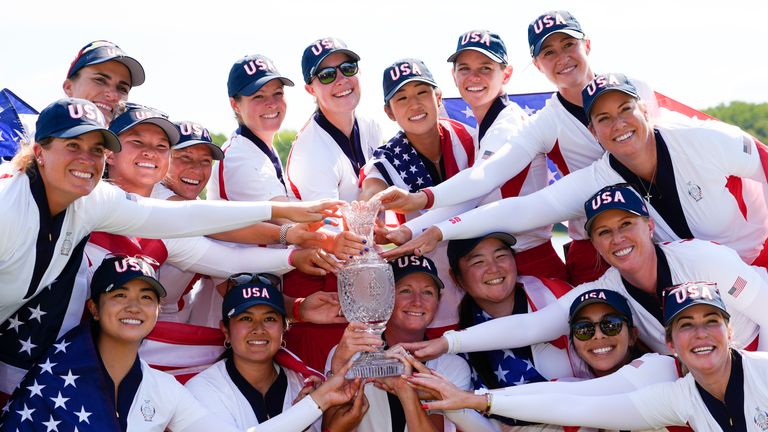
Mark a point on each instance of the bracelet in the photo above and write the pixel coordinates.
(430, 198)
(296, 308)
(488, 402)
(284, 232)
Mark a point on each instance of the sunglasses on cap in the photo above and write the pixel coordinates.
(610, 325)
(238, 279)
(327, 75)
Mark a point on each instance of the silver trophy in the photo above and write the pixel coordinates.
(367, 291)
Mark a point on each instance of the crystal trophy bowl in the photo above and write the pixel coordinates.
(367, 292)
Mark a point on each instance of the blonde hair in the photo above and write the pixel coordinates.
(26, 156)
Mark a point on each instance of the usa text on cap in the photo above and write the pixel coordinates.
(72, 117)
(115, 271)
(409, 264)
(136, 114)
(258, 290)
(619, 197)
(550, 23)
(102, 51)
(611, 298)
(482, 41)
(402, 72)
(250, 73)
(604, 83)
(191, 133)
(680, 297)
(315, 53)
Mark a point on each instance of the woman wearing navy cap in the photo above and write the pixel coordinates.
(107, 385)
(52, 200)
(725, 390)
(621, 230)
(104, 75)
(259, 381)
(395, 406)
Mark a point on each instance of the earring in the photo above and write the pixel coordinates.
(227, 344)
(282, 344)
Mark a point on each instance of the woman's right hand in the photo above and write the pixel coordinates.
(451, 397)
(354, 340)
(347, 244)
(420, 245)
(314, 261)
(401, 201)
(428, 350)
(337, 389)
(346, 417)
(309, 211)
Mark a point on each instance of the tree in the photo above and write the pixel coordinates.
(282, 142)
(752, 118)
(218, 138)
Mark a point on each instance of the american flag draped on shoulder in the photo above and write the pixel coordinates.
(66, 392)
(17, 119)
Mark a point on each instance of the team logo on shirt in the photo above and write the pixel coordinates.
(66, 245)
(147, 410)
(761, 419)
(694, 191)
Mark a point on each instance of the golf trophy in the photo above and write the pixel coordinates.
(367, 291)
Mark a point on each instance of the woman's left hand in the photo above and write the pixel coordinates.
(309, 211)
(447, 395)
(309, 386)
(314, 261)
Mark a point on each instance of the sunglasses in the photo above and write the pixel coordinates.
(610, 325)
(238, 279)
(328, 75)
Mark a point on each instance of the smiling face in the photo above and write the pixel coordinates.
(416, 299)
(143, 161)
(479, 79)
(414, 107)
(71, 167)
(189, 170)
(105, 84)
(619, 122)
(126, 314)
(563, 60)
(623, 239)
(604, 354)
(489, 273)
(700, 337)
(342, 95)
(264, 111)
(255, 334)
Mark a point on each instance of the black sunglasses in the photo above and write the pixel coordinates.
(327, 75)
(238, 279)
(610, 325)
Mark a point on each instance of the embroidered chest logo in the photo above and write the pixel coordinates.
(148, 410)
(66, 245)
(761, 419)
(694, 191)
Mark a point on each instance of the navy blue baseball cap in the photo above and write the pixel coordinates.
(458, 249)
(256, 291)
(604, 83)
(549, 23)
(315, 53)
(482, 41)
(102, 51)
(250, 73)
(611, 298)
(136, 114)
(116, 271)
(191, 133)
(680, 297)
(71, 117)
(402, 72)
(409, 264)
(619, 196)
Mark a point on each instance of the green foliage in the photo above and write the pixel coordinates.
(282, 142)
(218, 138)
(753, 118)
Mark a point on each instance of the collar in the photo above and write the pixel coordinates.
(258, 142)
(264, 406)
(649, 302)
(729, 414)
(352, 148)
(496, 108)
(126, 391)
(574, 110)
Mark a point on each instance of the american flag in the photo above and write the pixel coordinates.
(17, 120)
(737, 287)
(403, 157)
(65, 392)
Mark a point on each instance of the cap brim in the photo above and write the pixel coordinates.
(392, 92)
(237, 310)
(350, 53)
(588, 109)
(154, 283)
(111, 142)
(487, 53)
(255, 86)
(672, 318)
(166, 125)
(134, 68)
(570, 32)
(588, 224)
(588, 302)
(216, 152)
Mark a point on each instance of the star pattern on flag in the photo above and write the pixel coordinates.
(61, 346)
(36, 388)
(403, 157)
(59, 401)
(528, 110)
(501, 374)
(69, 379)
(468, 112)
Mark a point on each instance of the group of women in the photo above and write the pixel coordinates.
(664, 326)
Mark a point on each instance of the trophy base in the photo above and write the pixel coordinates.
(375, 365)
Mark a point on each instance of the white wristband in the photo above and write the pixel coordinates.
(454, 343)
